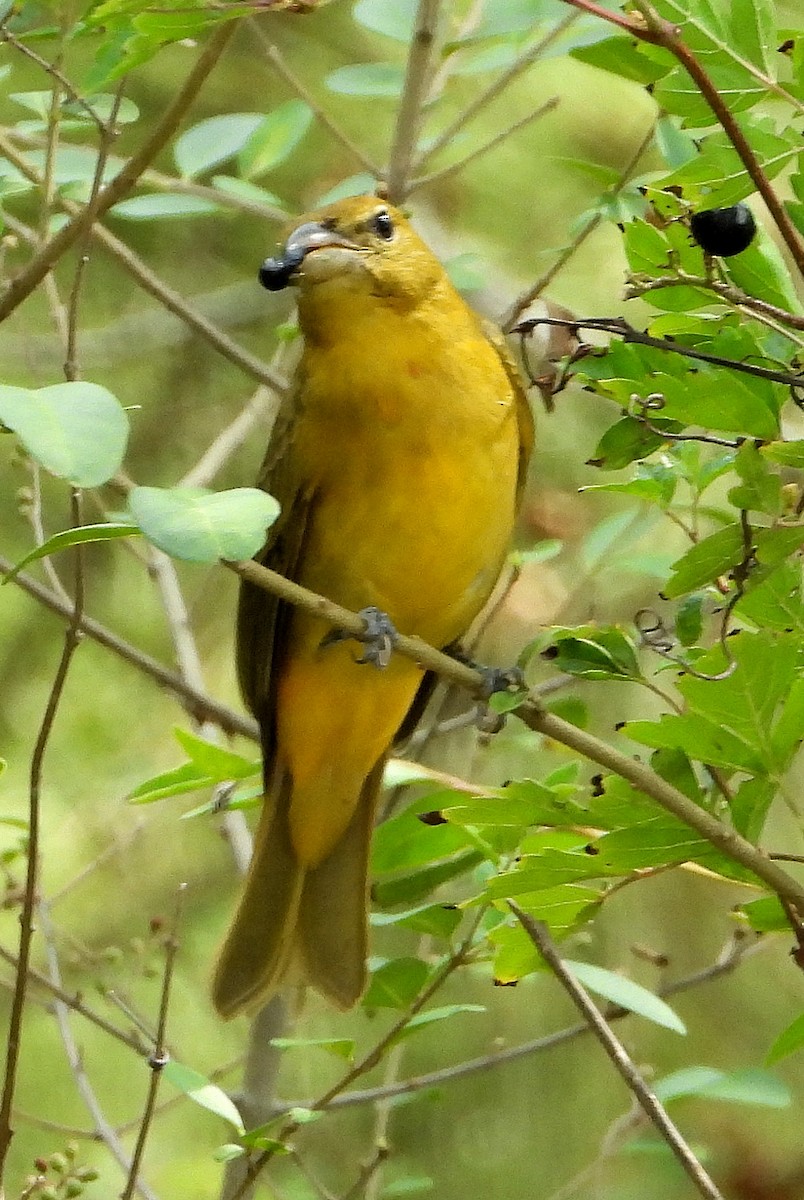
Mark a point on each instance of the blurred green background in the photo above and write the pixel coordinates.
(112, 870)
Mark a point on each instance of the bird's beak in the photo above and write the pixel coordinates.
(312, 236)
(331, 252)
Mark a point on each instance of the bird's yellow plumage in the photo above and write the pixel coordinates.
(398, 464)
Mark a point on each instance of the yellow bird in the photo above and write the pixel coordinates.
(398, 463)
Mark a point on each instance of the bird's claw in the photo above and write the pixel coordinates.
(379, 637)
(500, 679)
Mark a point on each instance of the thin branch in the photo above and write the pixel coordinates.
(524, 59)
(621, 328)
(374, 1056)
(727, 961)
(648, 1101)
(160, 1056)
(104, 1132)
(486, 147)
(658, 32)
(198, 703)
(526, 298)
(530, 711)
(53, 71)
(638, 285)
(215, 195)
(168, 298)
(76, 1003)
(25, 283)
(230, 439)
(277, 61)
(409, 116)
(71, 640)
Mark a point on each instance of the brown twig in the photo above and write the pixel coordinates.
(160, 1056)
(198, 703)
(25, 283)
(623, 1064)
(71, 640)
(409, 116)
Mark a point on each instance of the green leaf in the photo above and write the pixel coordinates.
(716, 555)
(213, 760)
(766, 915)
(361, 184)
(201, 526)
(437, 920)
(435, 1015)
(412, 885)
(157, 205)
(179, 781)
(404, 841)
(626, 994)
(79, 536)
(367, 79)
(628, 440)
(395, 983)
(393, 20)
(213, 141)
(228, 1152)
(750, 1086)
(339, 1047)
(199, 1089)
(592, 652)
(77, 431)
(275, 138)
(788, 1041)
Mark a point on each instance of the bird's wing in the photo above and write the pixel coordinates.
(524, 415)
(262, 618)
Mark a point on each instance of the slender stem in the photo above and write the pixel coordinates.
(491, 144)
(638, 286)
(160, 1056)
(104, 1131)
(170, 299)
(77, 1005)
(409, 117)
(25, 283)
(524, 59)
(375, 1055)
(71, 640)
(535, 290)
(647, 1100)
(729, 959)
(277, 61)
(198, 703)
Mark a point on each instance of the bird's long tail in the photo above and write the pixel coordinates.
(291, 918)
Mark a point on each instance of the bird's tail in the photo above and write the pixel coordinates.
(293, 918)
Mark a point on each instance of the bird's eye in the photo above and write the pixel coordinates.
(383, 225)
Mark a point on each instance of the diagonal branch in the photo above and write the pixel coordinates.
(414, 92)
(21, 287)
(623, 1064)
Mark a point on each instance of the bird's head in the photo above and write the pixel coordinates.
(358, 246)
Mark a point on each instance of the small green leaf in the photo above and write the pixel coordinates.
(157, 205)
(215, 760)
(275, 138)
(183, 779)
(393, 20)
(213, 141)
(394, 984)
(208, 1095)
(74, 537)
(228, 1152)
(626, 994)
(77, 431)
(766, 915)
(367, 79)
(703, 563)
(788, 1041)
(433, 1015)
(339, 1047)
(202, 526)
(739, 1087)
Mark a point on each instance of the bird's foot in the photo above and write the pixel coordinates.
(379, 637)
(495, 679)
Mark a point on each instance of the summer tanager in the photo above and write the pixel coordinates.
(398, 463)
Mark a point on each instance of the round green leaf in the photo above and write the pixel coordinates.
(157, 205)
(201, 526)
(212, 141)
(275, 138)
(77, 431)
